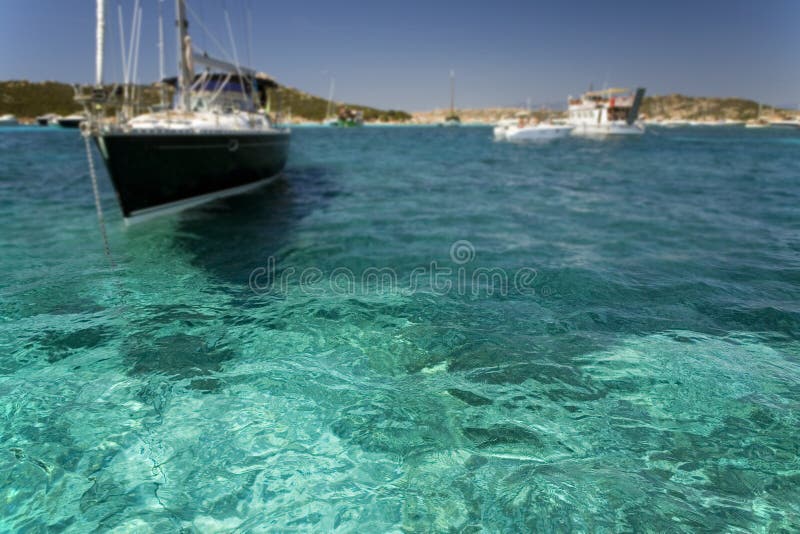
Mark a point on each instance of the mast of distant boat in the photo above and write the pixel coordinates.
(452, 93)
(163, 92)
(329, 111)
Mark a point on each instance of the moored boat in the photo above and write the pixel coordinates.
(523, 129)
(212, 143)
(71, 121)
(348, 118)
(452, 118)
(607, 112)
(8, 120)
(759, 122)
(49, 119)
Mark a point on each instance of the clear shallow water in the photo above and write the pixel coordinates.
(646, 378)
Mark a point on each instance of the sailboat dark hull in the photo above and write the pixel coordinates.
(162, 172)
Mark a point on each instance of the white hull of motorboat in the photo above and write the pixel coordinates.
(614, 128)
(538, 132)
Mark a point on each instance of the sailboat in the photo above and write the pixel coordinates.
(345, 117)
(212, 142)
(330, 119)
(452, 119)
(759, 122)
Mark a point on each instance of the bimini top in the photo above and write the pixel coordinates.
(232, 82)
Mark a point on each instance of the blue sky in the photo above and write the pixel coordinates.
(399, 54)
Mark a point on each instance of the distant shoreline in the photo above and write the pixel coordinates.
(28, 100)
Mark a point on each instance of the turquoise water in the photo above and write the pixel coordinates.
(630, 363)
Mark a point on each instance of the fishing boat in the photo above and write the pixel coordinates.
(452, 119)
(606, 112)
(8, 120)
(211, 143)
(525, 129)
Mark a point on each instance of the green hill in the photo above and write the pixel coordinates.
(313, 108)
(30, 99)
(27, 100)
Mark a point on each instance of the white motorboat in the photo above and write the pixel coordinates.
(521, 130)
(8, 120)
(607, 112)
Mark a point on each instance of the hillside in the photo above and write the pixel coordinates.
(306, 106)
(27, 100)
(684, 107)
(666, 107)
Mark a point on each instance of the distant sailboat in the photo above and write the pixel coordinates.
(330, 119)
(345, 117)
(759, 122)
(453, 119)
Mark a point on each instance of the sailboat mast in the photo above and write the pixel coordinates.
(329, 111)
(185, 55)
(100, 35)
(452, 92)
(161, 52)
